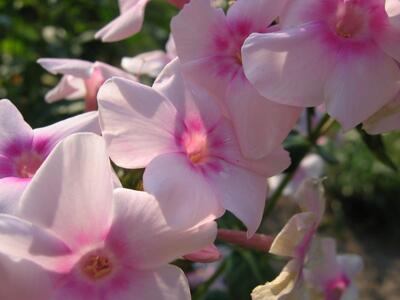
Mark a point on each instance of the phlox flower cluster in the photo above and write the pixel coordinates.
(230, 87)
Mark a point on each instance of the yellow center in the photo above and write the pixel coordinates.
(27, 164)
(96, 266)
(350, 22)
(197, 148)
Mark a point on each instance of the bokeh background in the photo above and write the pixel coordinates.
(363, 184)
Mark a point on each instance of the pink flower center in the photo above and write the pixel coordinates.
(351, 20)
(336, 288)
(96, 266)
(196, 147)
(27, 164)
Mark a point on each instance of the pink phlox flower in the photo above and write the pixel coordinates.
(193, 163)
(23, 149)
(150, 63)
(330, 276)
(342, 53)
(79, 238)
(81, 79)
(208, 44)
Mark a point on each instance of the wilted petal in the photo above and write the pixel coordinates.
(283, 287)
(289, 241)
(310, 197)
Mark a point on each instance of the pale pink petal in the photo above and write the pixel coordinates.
(393, 10)
(389, 41)
(350, 293)
(148, 63)
(322, 263)
(128, 23)
(351, 264)
(170, 47)
(258, 122)
(289, 66)
(46, 138)
(71, 193)
(296, 12)
(108, 71)
(23, 279)
(141, 234)
(208, 73)
(13, 129)
(137, 122)
(206, 255)
(165, 283)
(259, 12)
(385, 120)
(184, 192)
(273, 163)
(190, 101)
(371, 79)
(11, 190)
(23, 240)
(66, 66)
(69, 87)
(241, 192)
(195, 28)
